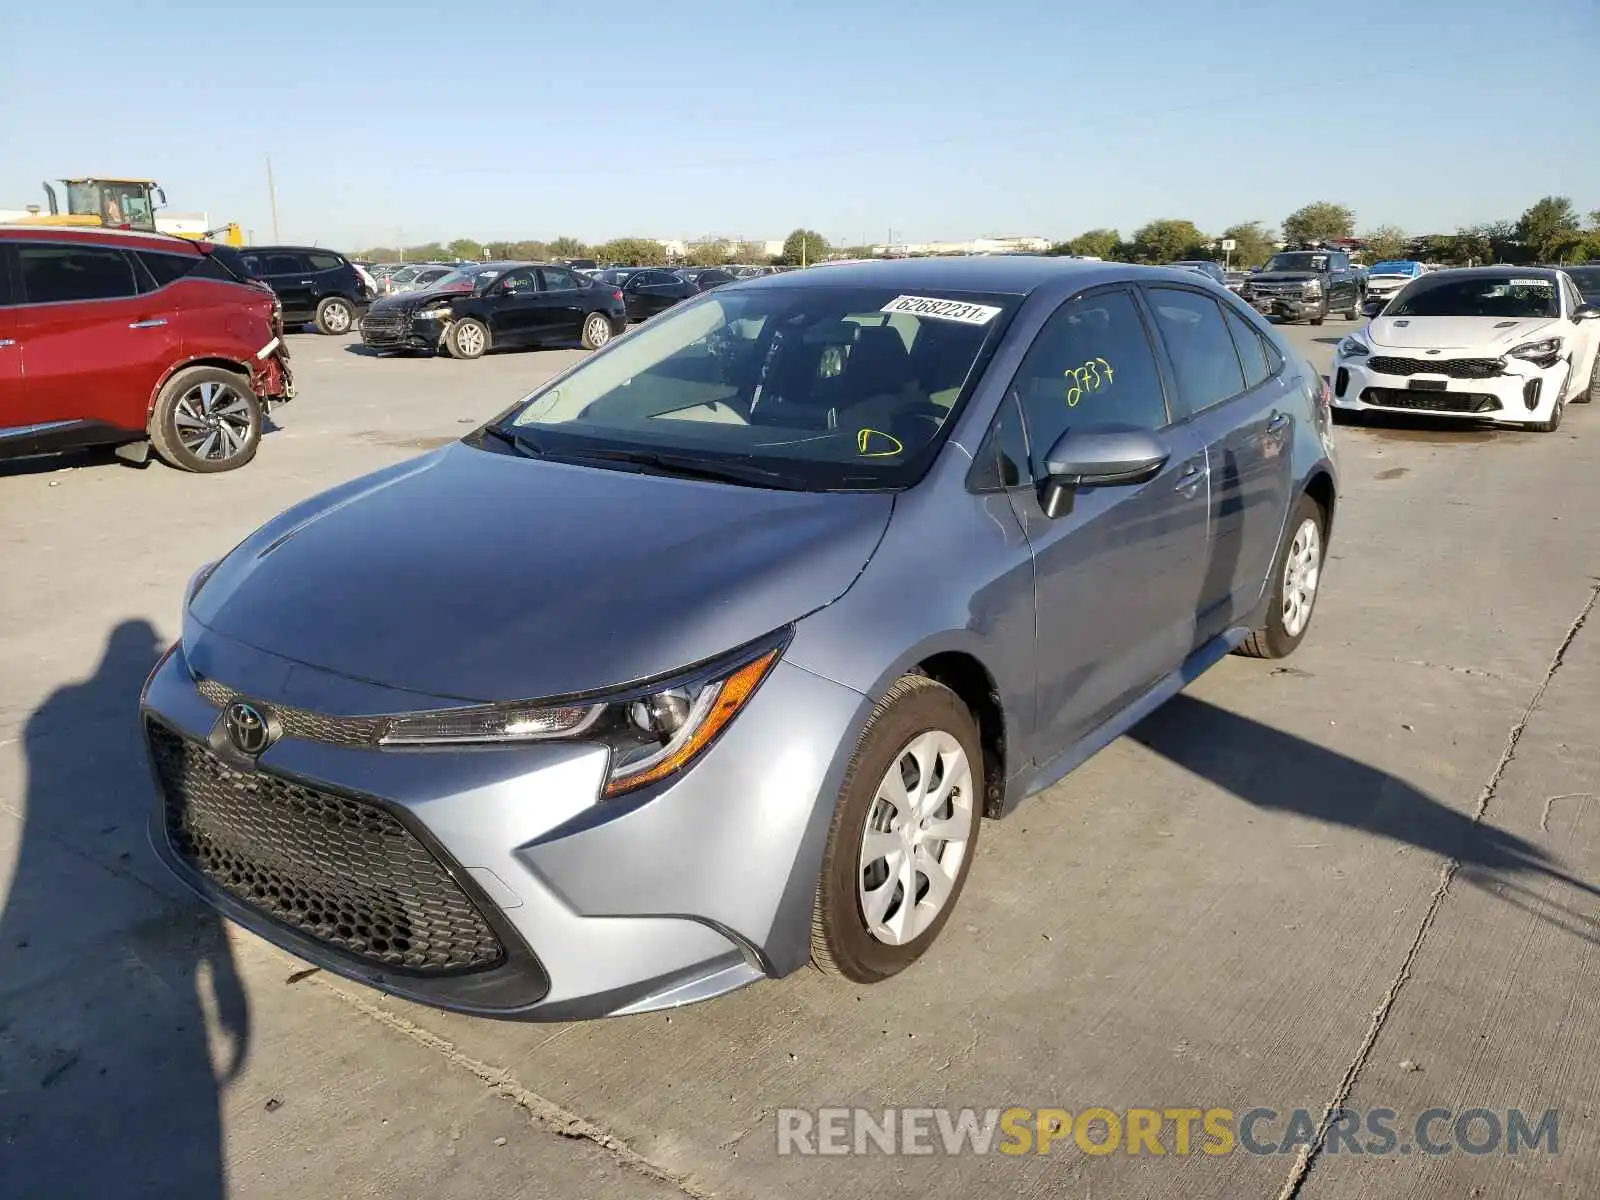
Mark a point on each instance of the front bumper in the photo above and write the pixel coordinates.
(662, 898)
(1521, 393)
(1289, 308)
(402, 332)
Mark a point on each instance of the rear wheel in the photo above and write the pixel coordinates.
(335, 316)
(1591, 393)
(1296, 575)
(596, 331)
(206, 420)
(468, 338)
(903, 834)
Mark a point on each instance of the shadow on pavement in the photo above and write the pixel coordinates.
(107, 1084)
(1272, 769)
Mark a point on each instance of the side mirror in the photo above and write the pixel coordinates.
(1586, 312)
(1098, 458)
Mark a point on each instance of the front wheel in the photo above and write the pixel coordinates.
(904, 831)
(1296, 574)
(1551, 423)
(1353, 313)
(1322, 314)
(596, 331)
(334, 316)
(206, 420)
(468, 338)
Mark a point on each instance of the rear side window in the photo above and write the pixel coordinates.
(5, 276)
(1252, 350)
(325, 262)
(1202, 353)
(167, 268)
(1090, 367)
(280, 264)
(558, 280)
(53, 274)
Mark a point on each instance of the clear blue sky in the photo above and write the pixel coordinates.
(681, 118)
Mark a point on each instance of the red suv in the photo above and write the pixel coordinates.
(135, 340)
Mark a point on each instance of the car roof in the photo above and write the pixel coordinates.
(1020, 274)
(92, 234)
(1493, 272)
(291, 250)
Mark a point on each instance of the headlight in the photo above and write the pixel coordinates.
(1354, 347)
(652, 731)
(1312, 287)
(1542, 353)
(437, 312)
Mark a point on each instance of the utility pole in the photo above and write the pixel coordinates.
(802, 252)
(272, 194)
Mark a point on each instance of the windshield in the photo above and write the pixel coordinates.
(831, 388)
(405, 274)
(1397, 268)
(1588, 281)
(1302, 261)
(1511, 296)
(467, 279)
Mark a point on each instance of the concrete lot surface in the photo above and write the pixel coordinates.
(1366, 876)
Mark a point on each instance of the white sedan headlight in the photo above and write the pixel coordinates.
(1353, 347)
(1542, 353)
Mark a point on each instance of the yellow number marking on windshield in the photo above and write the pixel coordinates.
(864, 439)
(1095, 375)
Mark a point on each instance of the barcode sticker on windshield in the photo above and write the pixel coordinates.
(1530, 283)
(943, 310)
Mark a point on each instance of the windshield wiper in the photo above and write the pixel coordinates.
(522, 445)
(692, 468)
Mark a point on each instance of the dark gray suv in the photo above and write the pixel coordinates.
(707, 659)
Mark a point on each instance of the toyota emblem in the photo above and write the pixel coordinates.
(249, 729)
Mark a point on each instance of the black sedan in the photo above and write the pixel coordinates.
(500, 304)
(651, 291)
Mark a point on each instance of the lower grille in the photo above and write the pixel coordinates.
(1455, 368)
(345, 872)
(1451, 402)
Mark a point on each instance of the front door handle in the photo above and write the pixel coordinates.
(1279, 422)
(1189, 482)
(152, 323)
(4, 342)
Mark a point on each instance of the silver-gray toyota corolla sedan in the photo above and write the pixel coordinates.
(704, 661)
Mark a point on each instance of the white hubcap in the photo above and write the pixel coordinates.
(469, 340)
(916, 838)
(599, 331)
(337, 317)
(1301, 573)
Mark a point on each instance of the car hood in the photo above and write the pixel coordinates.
(483, 576)
(406, 302)
(1492, 334)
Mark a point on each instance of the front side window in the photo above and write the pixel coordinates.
(1091, 367)
(1510, 295)
(1203, 357)
(826, 387)
(52, 274)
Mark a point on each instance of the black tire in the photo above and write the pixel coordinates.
(335, 316)
(1322, 314)
(468, 338)
(1273, 640)
(841, 943)
(1357, 305)
(1591, 393)
(183, 402)
(1552, 423)
(596, 331)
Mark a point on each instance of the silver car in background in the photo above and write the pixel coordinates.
(707, 660)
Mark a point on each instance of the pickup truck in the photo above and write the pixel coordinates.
(1306, 285)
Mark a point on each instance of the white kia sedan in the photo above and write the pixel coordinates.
(1510, 345)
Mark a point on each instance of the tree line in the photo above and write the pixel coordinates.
(1549, 231)
(800, 247)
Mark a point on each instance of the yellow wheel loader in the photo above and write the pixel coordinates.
(124, 204)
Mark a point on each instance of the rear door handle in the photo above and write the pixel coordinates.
(306, 282)
(152, 323)
(4, 342)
